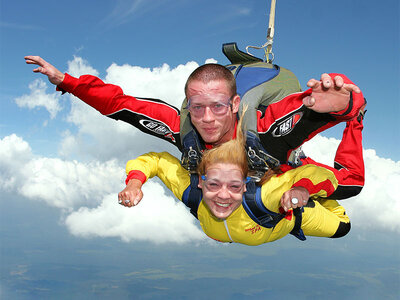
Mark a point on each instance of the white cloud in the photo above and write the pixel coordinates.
(39, 98)
(14, 154)
(69, 184)
(158, 218)
(87, 191)
(162, 83)
(59, 183)
(378, 205)
(79, 189)
(79, 66)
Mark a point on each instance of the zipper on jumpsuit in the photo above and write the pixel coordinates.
(227, 230)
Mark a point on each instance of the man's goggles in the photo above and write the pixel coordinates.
(217, 103)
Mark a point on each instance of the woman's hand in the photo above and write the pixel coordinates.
(295, 197)
(132, 194)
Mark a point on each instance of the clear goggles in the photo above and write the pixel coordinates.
(214, 185)
(217, 103)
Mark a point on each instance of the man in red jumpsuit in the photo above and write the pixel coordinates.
(282, 127)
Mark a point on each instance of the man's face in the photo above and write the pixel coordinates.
(214, 128)
(223, 187)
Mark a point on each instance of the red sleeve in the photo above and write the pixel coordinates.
(152, 116)
(287, 124)
(135, 174)
(294, 102)
(109, 99)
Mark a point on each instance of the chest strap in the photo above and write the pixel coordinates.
(256, 209)
(192, 151)
(192, 195)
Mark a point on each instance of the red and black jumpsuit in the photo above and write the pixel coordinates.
(282, 126)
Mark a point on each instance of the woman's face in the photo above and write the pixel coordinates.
(223, 187)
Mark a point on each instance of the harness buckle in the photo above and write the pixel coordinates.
(259, 160)
(190, 159)
(295, 157)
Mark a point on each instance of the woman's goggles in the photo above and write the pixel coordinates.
(214, 185)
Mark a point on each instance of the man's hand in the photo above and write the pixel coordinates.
(299, 193)
(132, 194)
(329, 95)
(54, 75)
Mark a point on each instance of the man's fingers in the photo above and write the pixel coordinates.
(326, 80)
(312, 83)
(308, 101)
(33, 59)
(339, 82)
(352, 88)
(38, 70)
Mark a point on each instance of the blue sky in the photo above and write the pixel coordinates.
(62, 163)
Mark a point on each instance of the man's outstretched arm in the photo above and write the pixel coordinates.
(152, 116)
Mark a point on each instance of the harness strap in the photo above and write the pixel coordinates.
(271, 31)
(258, 158)
(191, 152)
(267, 47)
(256, 209)
(297, 231)
(192, 195)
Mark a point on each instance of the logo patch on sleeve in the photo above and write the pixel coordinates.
(285, 126)
(158, 128)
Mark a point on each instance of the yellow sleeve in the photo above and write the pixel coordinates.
(164, 166)
(319, 182)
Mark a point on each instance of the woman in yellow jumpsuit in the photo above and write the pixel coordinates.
(223, 171)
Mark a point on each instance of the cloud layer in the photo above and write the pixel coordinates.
(38, 97)
(86, 189)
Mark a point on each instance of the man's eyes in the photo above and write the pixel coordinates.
(218, 105)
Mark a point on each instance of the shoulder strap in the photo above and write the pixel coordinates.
(192, 149)
(256, 209)
(192, 195)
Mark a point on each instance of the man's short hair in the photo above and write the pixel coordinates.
(213, 72)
